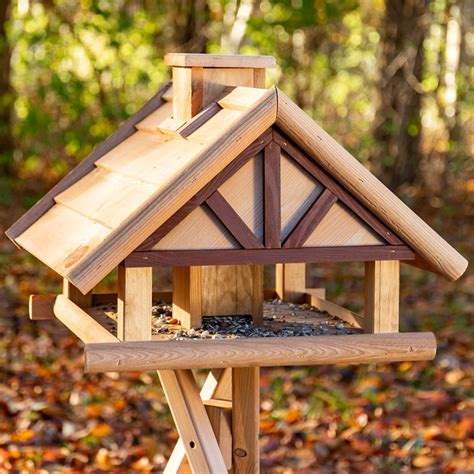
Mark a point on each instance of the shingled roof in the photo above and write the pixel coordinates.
(138, 178)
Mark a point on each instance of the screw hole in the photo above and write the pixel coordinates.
(192, 444)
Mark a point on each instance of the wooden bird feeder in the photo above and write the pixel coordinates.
(216, 176)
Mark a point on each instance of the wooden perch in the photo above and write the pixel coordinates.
(260, 352)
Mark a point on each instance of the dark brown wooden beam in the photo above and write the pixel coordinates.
(256, 147)
(319, 174)
(272, 196)
(232, 221)
(310, 220)
(170, 258)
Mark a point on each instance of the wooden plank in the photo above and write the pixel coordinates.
(62, 250)
(340, 226)
(171, 126)
(226, 291)
(202, 195)
(272, 195)
(359, 253)
(232, 221)
(205, 166)
(219, 60)
(134, 304)
(442, 258)
(192, 422)
(187, 291)
(244, 192)
(72, 293)
(151, 158)
(199, 120)
(312, 298)
(40, 307)
(382, 296)
(152, 121)
(241, 98)
(106, 197)
(219, 82)
(200, 230)
(245, 419)
(86, 165)
(326, 180)
(290, 282)
(259, 78)
(298, 191)
(257, 296)
(260, 352)
(313, 216)
(87, 329)
(187, 92)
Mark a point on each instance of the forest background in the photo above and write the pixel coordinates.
(392, 81)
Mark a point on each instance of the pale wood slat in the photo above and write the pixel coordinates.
(241, 98)
(298, 191)
(153, 121)
(340, 226)
(219, 60)
(215, 126)
(61, 237)
(106, 196)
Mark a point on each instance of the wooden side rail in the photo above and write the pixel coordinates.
(260, 352)
(86, 328)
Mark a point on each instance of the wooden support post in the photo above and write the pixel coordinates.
(75, 295)
(257, 294)
(187, 296)
(217, 387)
(192, 422)
(134, 305)
(382, 295)
(245, 420)
(290, 282)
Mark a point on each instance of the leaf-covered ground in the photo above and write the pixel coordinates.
(372, 418)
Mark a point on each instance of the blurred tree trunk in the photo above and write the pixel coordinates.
(6, 95)
(189, 19)
(398, 119)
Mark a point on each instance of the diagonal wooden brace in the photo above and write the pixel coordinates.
(192, 422)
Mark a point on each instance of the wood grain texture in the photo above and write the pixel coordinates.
(298, 191)
(272, 195)
(134, 303)
(187, 92)
(187, 296)
(86, 165)
(340, 226)
(241, 98)
(260, 352)
(244, 192)
(201, 229)
(204, 167)
(192, 422)
(290, 282)
(326, 151)
(152, 122)
(218, 80)
(106, 197)
(87, 329)
(61, 250)
(312, 298)
(245, 420)
(382, 296)
(40, 307)
(219, 60)
(310, 220)
(232, 221)
(72, 293)
(326, 180)
(202, 195)
(358, 253)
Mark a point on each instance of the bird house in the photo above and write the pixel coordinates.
(215, 177)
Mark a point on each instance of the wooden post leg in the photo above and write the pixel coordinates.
(192, 422)
(382, 295)
(134, 304)
(187, 290)
(290, 282)
(245, 420)
(217, 387)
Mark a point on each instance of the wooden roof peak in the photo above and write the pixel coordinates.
(118, 196)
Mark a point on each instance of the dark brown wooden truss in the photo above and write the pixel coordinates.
(273, 249)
